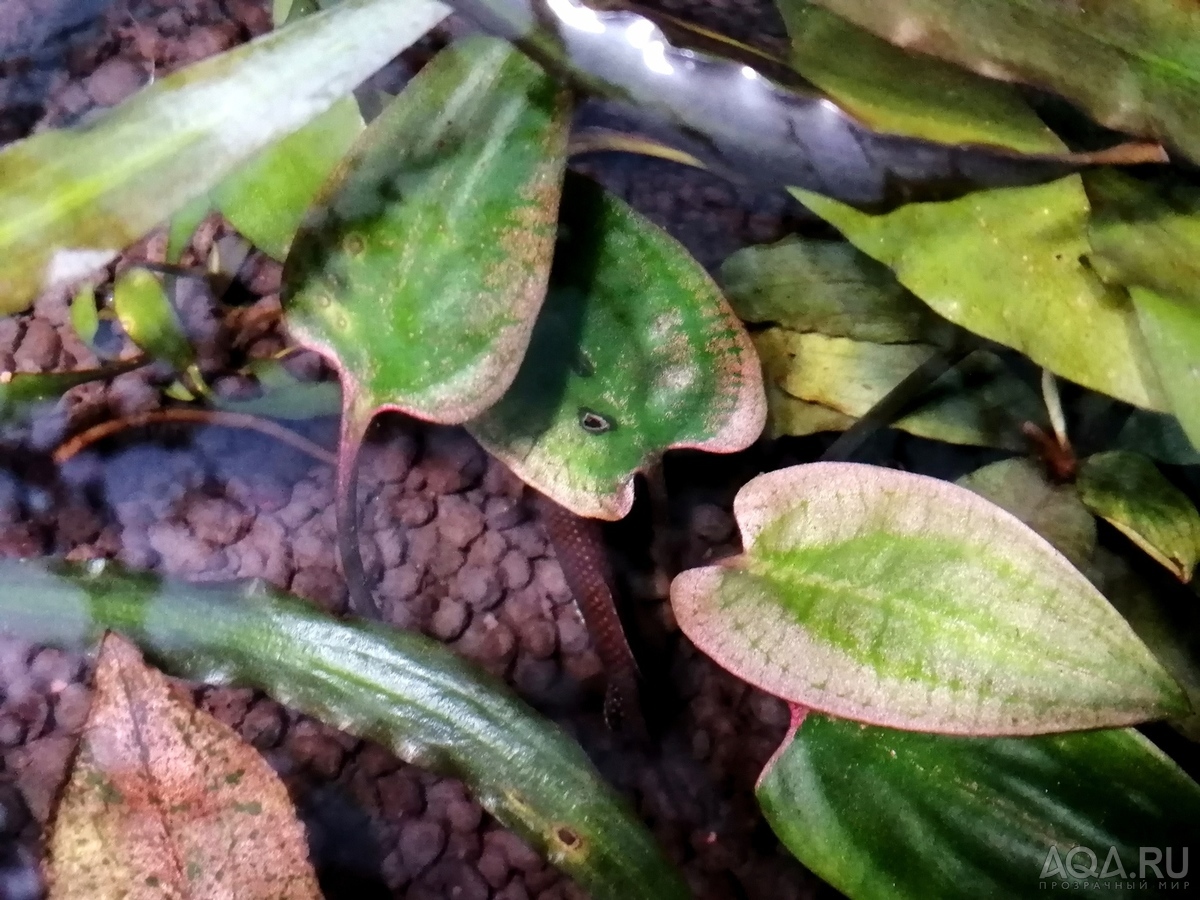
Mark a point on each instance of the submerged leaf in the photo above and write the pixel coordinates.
(1005, 264)
(901, 600)
(741, 110)
(146, 313)
(1158, 436)
(165, 801)
(70, 200)
(421, 268)
(20, 392)
(635, 352)
(1126, 490)
(400, 688)
(283, 395)
(1133, 64)
(892, 815)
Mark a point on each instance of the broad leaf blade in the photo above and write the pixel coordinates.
(147, 315)
(900, 600)
(421, 268)
(1133, 64)
(1005, 264)
(165, 801)
(1126, 490)
(635, 352)
(400, 688)
(70, 200)
(892, 815)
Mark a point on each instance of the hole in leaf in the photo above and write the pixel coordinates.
(593, 422)
(567, 837)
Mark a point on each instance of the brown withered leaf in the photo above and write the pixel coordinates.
(165, 801)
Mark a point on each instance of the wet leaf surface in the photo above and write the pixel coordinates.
(900, 600)
(283, 395)
(1133, 64)
(635, 351)
(399, 688)
(893, 815)
(165, 801)
(70, 200)
(1129, 492)
(1004, 264)
(421, 268)
(22, 392)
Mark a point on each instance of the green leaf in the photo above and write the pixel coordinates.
(21, 392)
(284, 396)
(828, 287)
(149, 318)
(1004, 264)
(901, 600)
(1054, 511)
(635, 352)
(399, 688)
(421, 269)
(70, 200)
(980, 403)
(85, 316)
(891, 815)
(1133, 64)
(1146, 236)
(1158, 436)
(1127, 491)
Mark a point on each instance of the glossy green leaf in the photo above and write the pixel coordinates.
(892, 815)
(146, 313)
(1133, 64)
(70, 200)
(1172, 333)
(979, 403)
(1054, 511)
(1004, 264)
(284, 396)
(421, 268)
(827, 287)
(1126, 490)
(635, 352)
(85, 316)
(901, 600)
(399, 688)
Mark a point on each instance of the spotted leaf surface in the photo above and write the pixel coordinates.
(635, 352)
(420, 269)
(900, 600)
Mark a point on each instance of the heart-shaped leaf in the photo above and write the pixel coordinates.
(901, 600)
(1126, 490)
(893, 815)
(635, 352)
(70, 200)
(400, 688)
(1005, 264)
(165, 801)
(422, 266)
(1133, 64)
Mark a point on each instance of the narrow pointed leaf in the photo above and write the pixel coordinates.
(21, 392)
(147, 315)
(635, 352)
(70, 200)
(1126, 490)
(901, 600)
(1054, 511)
(165, 801)
(1026, 286)
(1133, 64)
(85, 317)
(285, 396)
(892, 815)
(421, 268)
(399, 688)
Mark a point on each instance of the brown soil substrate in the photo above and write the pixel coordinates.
(448, 542)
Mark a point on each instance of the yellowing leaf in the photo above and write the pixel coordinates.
(165, 801)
